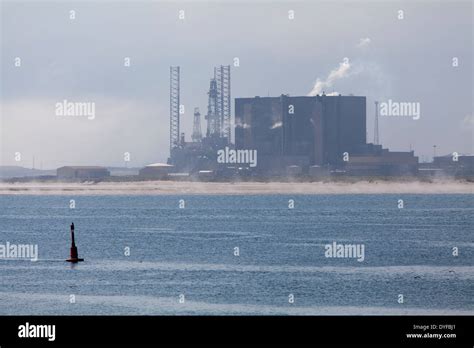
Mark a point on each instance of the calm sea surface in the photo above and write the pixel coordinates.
(182, 260)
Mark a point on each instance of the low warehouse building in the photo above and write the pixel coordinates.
(156, 171)
(385, 163)
(82, 172)
(458, 165)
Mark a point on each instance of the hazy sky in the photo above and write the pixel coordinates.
(82, 60)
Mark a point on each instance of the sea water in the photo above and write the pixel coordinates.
(228, 255)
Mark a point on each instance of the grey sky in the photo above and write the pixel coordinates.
(407, 60)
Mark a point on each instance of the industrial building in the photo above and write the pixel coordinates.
(460, 166)
(82, 173)
(317, 133)
(155, 171)
(301, 131)
(377, 161)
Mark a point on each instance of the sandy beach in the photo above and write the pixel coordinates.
(240, 188)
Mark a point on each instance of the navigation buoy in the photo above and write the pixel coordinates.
(74, 255)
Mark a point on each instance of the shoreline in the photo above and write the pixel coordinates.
(235, 188)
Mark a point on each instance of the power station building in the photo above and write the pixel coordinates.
(300, 131)
(313, 132)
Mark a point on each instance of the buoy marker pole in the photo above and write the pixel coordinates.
(74, 254)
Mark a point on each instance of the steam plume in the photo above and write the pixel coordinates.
(335, 74)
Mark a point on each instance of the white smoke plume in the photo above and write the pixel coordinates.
(363, 42)
(240, 124)
(276, 125)
(335, 74)
(468, 121)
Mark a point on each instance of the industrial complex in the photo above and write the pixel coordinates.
(271, 138)
(315, 136)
